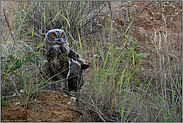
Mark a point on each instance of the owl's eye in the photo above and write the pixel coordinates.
(62, 36)
(54, 36)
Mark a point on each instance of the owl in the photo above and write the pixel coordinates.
(58, 55)
(75, 75)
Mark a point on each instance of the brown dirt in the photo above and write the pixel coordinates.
(159, 18)
(46, 106)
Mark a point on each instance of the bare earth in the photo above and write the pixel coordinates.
(43, 107)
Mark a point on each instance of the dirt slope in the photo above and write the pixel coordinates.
(46, 106)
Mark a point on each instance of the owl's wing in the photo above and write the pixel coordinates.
(73, 55)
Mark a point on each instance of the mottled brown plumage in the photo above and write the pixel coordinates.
(58, 55)
(58, 59)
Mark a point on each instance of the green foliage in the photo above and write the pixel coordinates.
(14, 62)
(109, 80)
(4, 102)
(132, 45)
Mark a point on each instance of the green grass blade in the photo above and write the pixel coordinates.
(66, 20)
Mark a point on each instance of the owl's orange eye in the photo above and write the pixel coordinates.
(54, 36)
(62, 36)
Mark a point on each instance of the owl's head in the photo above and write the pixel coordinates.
(55, 37)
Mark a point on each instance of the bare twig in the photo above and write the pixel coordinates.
(92, 17)
(145, 8)
(9, 26)
(76, 110)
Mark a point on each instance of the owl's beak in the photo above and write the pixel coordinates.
(59, 39)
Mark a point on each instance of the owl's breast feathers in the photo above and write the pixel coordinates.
(57, 56)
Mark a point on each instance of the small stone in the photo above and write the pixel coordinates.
(65, 96)
(59, 96)
(73, 99)
(18, 103)
(21, 91)
(96, 55)
(14, 94)
(68, 103)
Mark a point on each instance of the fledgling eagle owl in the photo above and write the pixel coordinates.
(58, 55)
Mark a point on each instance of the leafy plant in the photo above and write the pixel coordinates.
(4, 102)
